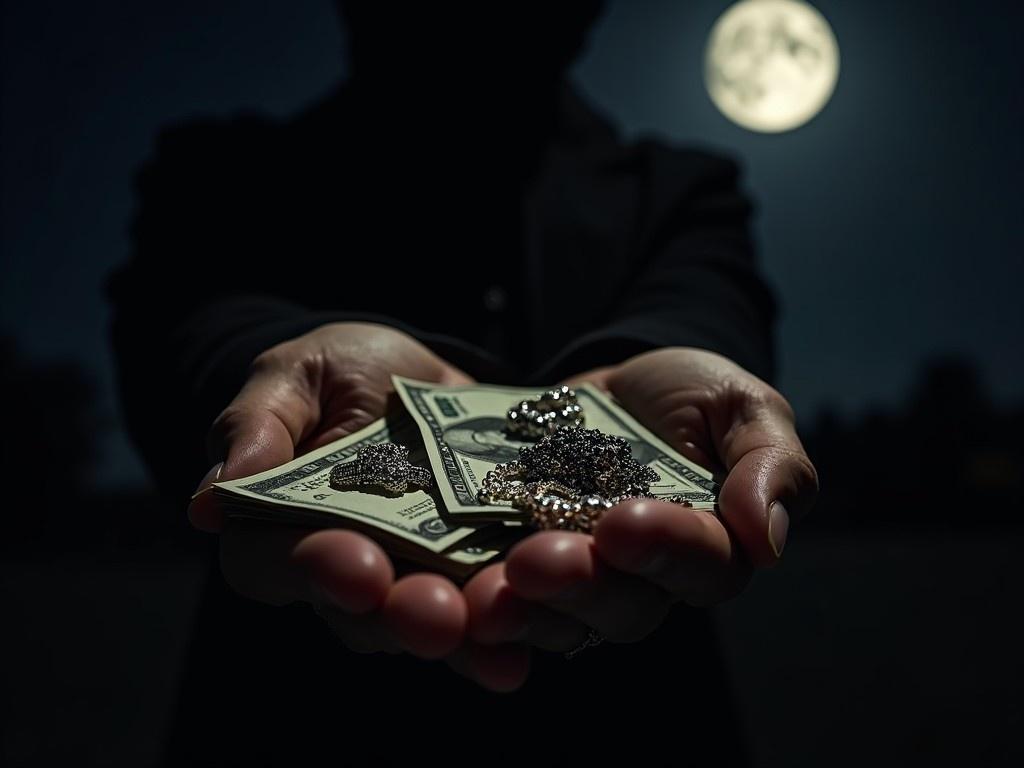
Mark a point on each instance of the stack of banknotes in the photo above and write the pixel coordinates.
(459, 433)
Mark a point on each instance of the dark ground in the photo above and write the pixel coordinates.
(880, 645)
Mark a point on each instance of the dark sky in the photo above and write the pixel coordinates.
(892, 225)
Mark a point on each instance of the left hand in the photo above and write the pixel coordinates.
(302, 394)
(645, 555)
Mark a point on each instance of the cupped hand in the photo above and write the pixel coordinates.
(646, 555)
(300, 395)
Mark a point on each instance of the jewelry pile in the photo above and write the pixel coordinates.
(568, 479)
(533, 419)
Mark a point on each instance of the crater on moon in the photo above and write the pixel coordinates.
(771, 65)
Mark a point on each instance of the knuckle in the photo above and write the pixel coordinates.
(272, 359)
(230, 416)
(363, 386)
(766, 398)
(801, 469)
(807, 472)
(220, 431)
(231, 419)
(290, 360)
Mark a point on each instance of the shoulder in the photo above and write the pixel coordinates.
(686, 167)
(686, 186)
(655, 164)
(663, 187)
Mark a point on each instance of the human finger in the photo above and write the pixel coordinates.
(687, 552)
(258, 430)
(564, 571)
(770, 477)
(498, 615)
(597, 376)
(276, 564)
(427, 614)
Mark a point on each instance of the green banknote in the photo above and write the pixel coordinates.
(407, 526)
(463, 429)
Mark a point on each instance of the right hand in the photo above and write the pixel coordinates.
(302, 394)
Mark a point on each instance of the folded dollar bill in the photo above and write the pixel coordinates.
(407, 526)
(463, 430)
(459, 432)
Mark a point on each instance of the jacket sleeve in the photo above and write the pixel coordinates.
(695, 280)
(188, 316)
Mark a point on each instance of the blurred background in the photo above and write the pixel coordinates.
(891, 226)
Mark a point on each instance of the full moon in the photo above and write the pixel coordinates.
(771, 65)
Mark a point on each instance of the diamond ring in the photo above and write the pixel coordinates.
(382, 464)
(532, 419)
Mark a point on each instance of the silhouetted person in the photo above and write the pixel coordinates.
(455, 211)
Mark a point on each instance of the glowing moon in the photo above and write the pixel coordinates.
(771, 65)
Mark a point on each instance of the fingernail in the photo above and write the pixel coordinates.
(210, 477)
(778, 527)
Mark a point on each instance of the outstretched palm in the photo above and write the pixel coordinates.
(300, 395)
(646, 555)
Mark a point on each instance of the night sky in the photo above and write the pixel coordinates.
(892, 225)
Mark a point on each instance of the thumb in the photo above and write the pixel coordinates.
(770, 478)
(373, 396)
(599, 377)
(453, 377)
(257, 431)
(432, 367)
